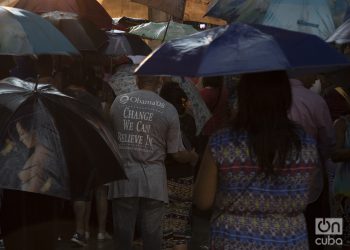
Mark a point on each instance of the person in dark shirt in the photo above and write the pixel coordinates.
(176, 226)
(76, 87)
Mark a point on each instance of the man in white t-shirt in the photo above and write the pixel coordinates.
(147, 128)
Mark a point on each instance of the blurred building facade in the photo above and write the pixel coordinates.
(194, 11)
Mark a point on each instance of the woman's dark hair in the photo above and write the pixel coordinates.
(171, 92)
(25, 123)
(25, 120)
(264, 100)
(25, 116)
(213, 81)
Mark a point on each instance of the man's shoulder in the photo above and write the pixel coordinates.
(308, 95)
(145, 99)
(131, 93)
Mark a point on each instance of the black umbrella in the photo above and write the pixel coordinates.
(89, 9)
(125, 22)
(51, 143)
(121, 43)
(81, 32)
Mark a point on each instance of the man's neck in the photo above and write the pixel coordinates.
(149, 88)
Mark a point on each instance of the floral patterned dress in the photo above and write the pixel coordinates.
(254, 211)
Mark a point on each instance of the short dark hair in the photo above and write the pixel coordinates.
(171, 92)
(143, 81)
(74, 75)
(44, 64)
(213, 81)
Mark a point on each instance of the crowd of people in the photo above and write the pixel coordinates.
(271, 160)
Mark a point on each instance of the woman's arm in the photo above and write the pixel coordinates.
(206, 183)
(340, 153)
(32, 175)
(31, 179)
(34, 185)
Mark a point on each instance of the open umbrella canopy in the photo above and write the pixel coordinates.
(51, 143)
(157, 31)
(241, 48)
(342, 34)
(125, 22)
(123, 81)
(121, 43)
(25, 33)
(238, 10)
(81, 32)
(318, 17)
(89, 9)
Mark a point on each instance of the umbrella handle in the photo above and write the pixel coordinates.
(166, 29)
(36, 83)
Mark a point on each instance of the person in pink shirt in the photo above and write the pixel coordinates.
(311, 112)
(215, 96)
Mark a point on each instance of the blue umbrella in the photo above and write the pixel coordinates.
(241, 48)
(25, 33)
(238, 10)
(342, 34)
(318, 17)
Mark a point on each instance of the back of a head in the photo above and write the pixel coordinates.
(44, 65)
(213, 81)
(148, 82)
(28, 118)
(26, 122)
(172, 93)
(6, 64)
(74, 75)
(264, 100)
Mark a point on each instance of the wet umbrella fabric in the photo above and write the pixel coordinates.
(89, 9)
(342, 34)
(82, 33)
(319, 17)
(51, 143)
(156, 31)
(241, 48)
(125, 22)
(25, 33)
(121, 43)
(238, 10)
(123, 81)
